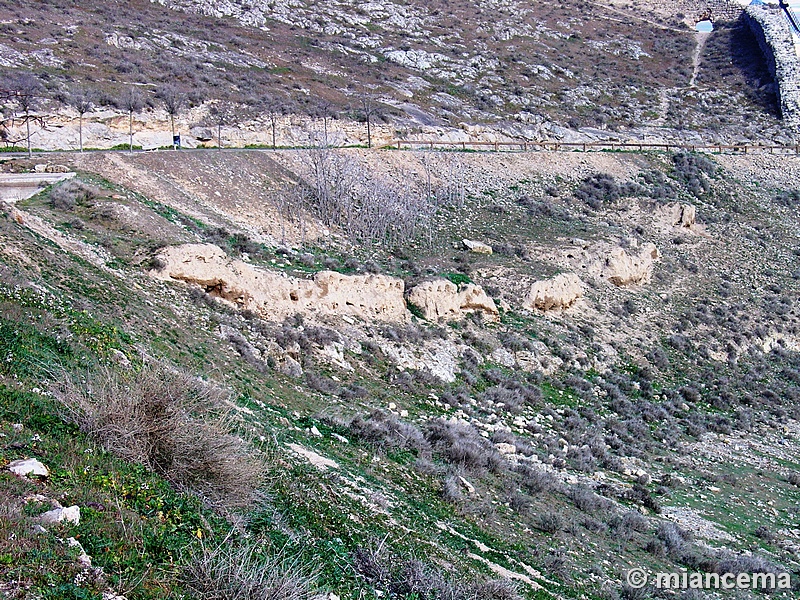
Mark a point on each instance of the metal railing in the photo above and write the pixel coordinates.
(609, 146)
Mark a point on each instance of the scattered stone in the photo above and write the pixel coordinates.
(467, 486)
(28, 466)
(477, 247)
(315, 459)
(71, 514)
(315, 432)
(83, 559)
(504, 448)
(558, 293)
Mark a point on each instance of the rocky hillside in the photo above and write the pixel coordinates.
(557, 70)
(397, 374)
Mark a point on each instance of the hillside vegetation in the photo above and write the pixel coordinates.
(214, 448)
(539, 70)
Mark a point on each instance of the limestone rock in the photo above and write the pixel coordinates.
(503, 357)
(275, 296)
(29, 466)
(560, 292)
(477, 247)
(71, 514)
(505, 448)
(440, 358)
(470, 489)
(83, 559)
(622, 269)
(442, 299)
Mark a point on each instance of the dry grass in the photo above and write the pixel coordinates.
(171, 422)
(230, 571)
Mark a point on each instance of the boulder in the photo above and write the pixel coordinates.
(29, 466)
(443, 299)
(275, 296)
(71, 514)
(623, 269)
(477, 247)
(558, 293)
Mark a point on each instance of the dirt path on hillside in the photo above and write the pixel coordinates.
(701, 37)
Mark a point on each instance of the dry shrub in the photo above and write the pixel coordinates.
(173, 423)
(231, 571)
(461, 444)
(384, 430)
(65, 196)
(409, 577)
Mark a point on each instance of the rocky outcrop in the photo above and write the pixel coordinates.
(477, 247)
(774, 35)
(275, 296)
(442, 299)
(621, 268)
(560, 292)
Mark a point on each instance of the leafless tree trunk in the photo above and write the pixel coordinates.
(369, 109)
(173, 101)
(132, 102)
(26, 91)
(83, 101)
(222, 113)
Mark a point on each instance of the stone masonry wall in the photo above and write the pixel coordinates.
(775, 38)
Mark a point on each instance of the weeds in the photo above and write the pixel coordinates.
(170, 422)
(233, 571)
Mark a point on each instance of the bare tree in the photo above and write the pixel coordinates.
(387, 211)
(274, 108)
(173, 101)
(369, 109)
(326, 111)
(132, 101)
(81, 100)
(25, 92)
(222, 113)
